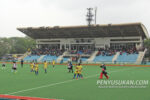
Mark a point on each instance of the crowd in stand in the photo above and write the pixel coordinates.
(128, 51)
(106, 52)
(110, 52)
(101, 51)
(85, 51)
(57, 52)
(47, 51)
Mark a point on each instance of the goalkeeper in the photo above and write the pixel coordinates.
(103, 72)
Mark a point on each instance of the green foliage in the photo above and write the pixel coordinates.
(4, 46)
(15, 45)
(147, 43)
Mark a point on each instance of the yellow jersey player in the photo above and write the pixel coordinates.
(32, 66)
(53, 63)
(45, 66)
(80, 71)
(76, 73)
(36, 68)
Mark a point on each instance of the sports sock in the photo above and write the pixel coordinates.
(74, 76)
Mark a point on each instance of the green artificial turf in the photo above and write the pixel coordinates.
(58, 83)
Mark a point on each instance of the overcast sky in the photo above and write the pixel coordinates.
(34, 13)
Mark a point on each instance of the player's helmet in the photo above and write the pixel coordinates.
(101, 65)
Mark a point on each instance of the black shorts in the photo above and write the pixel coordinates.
(14, 68)
(104, 72)
(70, 68)
(3, 65)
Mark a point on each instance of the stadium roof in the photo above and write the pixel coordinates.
(94, 31)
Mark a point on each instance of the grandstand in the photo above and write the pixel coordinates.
(111, 43)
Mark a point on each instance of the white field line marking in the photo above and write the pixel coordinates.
(59, 83)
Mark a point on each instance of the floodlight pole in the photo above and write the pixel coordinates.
(95, 14)
(89, 16)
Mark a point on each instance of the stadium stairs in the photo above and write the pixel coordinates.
(92, 57)
(115, 57)
(41, 57)
(65, 59)
(24, 55)
(61, 57)
(141, 57)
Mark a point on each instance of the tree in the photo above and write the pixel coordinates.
(147, 45)
(15, 45)
(20, 45)
(4, 46)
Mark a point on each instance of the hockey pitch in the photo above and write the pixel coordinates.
(58, 84)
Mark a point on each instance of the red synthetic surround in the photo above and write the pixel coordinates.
(124, 65)
(24, 98)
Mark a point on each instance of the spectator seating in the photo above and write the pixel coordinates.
(31, 57)
(49, 58)
(105, 58)
(84, 59)
(65, 59)
(127, 57)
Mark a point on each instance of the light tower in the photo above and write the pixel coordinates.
(95, 14)
(89, 16)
